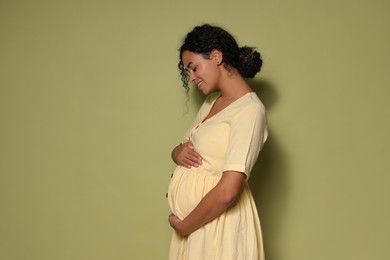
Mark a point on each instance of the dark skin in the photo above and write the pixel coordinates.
(185, 155)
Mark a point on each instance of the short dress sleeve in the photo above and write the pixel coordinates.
(248, 132)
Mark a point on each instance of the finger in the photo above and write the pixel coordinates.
(190, 145)
(192, 164)
(193, 153)
(188, 166)
(195, 158)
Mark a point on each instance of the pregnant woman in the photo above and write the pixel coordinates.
(213, 212)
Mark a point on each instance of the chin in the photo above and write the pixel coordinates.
(205, 91)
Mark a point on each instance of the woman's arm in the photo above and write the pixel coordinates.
(216, 201)
(185, 155)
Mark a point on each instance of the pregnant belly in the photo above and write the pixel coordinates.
(188, 187)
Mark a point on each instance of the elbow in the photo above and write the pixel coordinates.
(229, 188)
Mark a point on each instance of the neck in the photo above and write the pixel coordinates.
(233, 86)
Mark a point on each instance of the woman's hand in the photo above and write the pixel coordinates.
(176, 224)
(185, 155)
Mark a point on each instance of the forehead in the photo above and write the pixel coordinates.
(190, 57)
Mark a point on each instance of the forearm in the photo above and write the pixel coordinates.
(210, 207)
(213, 204)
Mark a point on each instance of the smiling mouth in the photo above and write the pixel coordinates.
(199, 83)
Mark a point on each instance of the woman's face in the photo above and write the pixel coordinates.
(204, 73)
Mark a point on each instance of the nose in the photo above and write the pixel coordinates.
(192, 76)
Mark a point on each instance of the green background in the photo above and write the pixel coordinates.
(91, 105)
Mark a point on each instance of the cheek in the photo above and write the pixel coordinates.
(213, 75)
(210, 72)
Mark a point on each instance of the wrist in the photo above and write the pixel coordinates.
(182, 229)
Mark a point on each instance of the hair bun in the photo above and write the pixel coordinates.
(250, 62)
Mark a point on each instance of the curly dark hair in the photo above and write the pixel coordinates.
(205, 38)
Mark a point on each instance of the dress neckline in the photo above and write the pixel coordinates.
(205, 119)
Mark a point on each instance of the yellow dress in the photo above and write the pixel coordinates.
(229, 140)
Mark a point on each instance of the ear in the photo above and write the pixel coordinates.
(216, 56)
